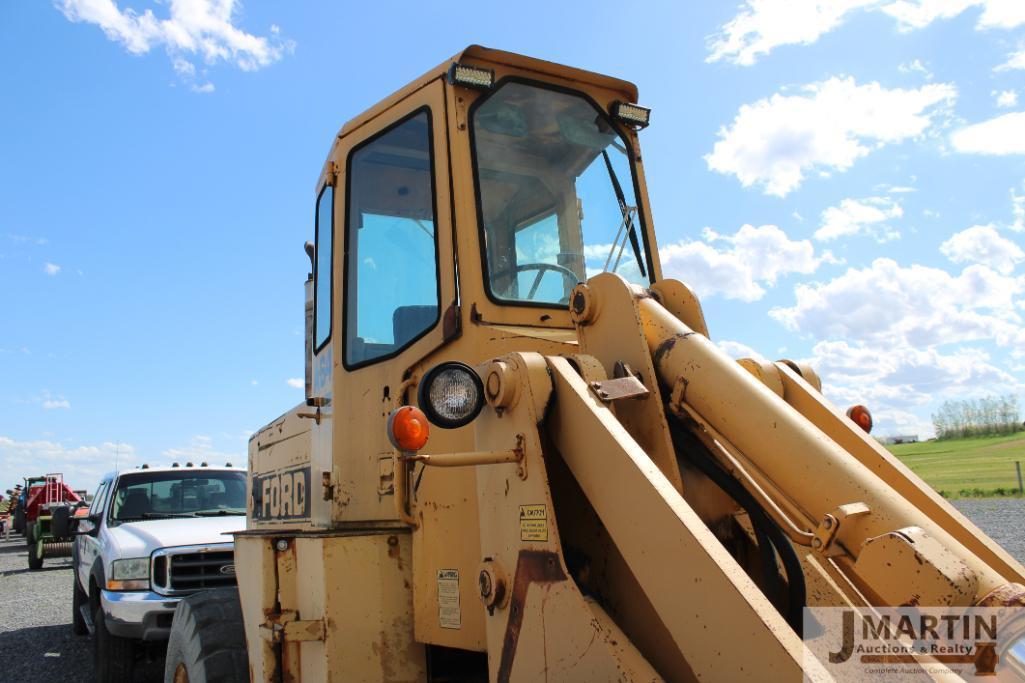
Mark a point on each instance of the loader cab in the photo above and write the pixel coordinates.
(453, 220)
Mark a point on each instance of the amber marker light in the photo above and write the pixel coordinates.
(408, 429)
(861, 417)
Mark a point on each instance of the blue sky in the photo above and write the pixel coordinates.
(841, 182)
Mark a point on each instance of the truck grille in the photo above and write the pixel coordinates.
(179, 571)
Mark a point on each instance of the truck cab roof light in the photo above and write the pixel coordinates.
(631, 114)
(471, 76)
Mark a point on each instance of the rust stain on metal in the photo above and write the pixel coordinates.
(667, 346)
(1008, 595)
(532, 566)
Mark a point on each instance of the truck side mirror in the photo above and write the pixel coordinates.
(86, 526)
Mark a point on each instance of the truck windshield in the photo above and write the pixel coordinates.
(556, 188)
(160, 495)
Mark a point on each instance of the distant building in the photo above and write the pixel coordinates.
(898, 438)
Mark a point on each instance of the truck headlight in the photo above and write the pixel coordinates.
(129, 575)
(451, 394)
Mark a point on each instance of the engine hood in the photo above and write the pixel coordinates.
(140, 539)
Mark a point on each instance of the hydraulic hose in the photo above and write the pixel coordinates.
(769, 536)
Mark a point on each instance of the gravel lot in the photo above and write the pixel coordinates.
(36, 642)
(1003, 519)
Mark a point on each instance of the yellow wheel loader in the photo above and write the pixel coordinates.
(521, 458)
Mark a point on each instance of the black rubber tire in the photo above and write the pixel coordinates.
(60, 525)
(207, 640)
(19, 520)
(113, 657)
(35, 560)
(78, 598)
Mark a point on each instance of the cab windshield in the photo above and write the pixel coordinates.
(556, 190)
(162, 495)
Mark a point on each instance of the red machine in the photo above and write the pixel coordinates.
(46, 493)
(49, 505)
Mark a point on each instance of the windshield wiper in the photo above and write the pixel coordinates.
(217, 513)
(631, 231)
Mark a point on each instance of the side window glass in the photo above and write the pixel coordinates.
(99, 499)
(322, 272)
(391, 296)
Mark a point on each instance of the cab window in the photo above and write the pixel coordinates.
(322, 271)
(555, 182)
(391, 296)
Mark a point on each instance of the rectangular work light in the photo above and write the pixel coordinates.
(631, 114)
(471, 76)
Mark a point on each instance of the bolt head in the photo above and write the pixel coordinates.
(281, 545)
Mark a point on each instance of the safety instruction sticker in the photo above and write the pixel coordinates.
(448, 599)
(533, 522)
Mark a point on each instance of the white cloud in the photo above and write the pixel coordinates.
(895, 382)
(205, 88)
(891, 306)
(983, 244)
(915, 66)
(81, 465)
(737, 350)
(1015, 60)
(743, 266)
(1001, 135)
(776, 141)
(56, 404)
(202, 28)
(201, 449)
(860, 216)
(51, 269)
(1005, 98)
(762, 25)
(1018, 208)
(296, 382)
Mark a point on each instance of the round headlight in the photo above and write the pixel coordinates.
(451, 395)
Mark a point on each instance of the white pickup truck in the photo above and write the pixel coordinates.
(151, 537)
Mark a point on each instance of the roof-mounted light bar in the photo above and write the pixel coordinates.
(471, 76)
(631, 114)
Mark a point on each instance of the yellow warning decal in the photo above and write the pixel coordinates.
(533, 522)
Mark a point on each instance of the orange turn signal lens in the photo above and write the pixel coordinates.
(861, 417)
(408, 428)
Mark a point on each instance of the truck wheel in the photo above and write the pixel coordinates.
(35, 556)
(78, 598)
(208, 643)
(113, 657)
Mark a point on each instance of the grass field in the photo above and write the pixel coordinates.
(967, 467)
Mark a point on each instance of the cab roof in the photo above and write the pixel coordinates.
(181, 468)
(479, 53)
